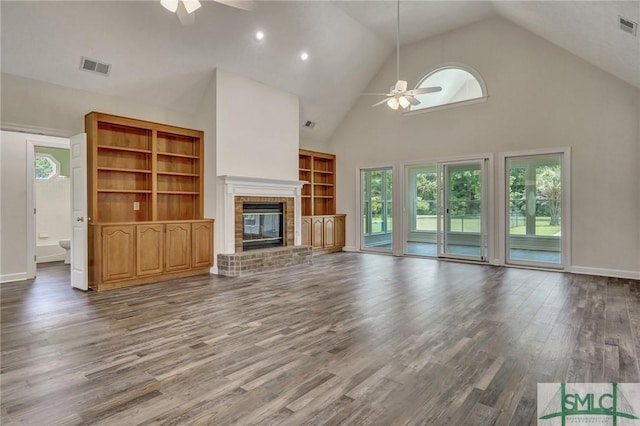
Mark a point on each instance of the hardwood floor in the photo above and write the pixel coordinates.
(352, 339)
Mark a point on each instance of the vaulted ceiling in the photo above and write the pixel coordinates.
(157, 60)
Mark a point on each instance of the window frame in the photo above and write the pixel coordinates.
(442, 67)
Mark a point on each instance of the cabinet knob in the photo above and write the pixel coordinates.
(79, 219)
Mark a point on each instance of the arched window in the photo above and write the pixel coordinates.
(460, 85)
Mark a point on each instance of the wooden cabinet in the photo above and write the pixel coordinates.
(329, 240)
(317, 232)
(177, 246)
(201, 243)
(339, 230)
(305, 229)
(139, 253)
(118, 248)
(322, 228)
(325, 234)
(145, 199)
(150, 253)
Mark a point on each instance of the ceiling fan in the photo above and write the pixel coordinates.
(398, 95)
(185, 8)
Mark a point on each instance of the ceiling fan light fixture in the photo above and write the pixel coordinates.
(393, 103)
(191, 5)
(404, 102)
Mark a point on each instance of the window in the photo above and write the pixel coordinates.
(459, 85)
(47, 167)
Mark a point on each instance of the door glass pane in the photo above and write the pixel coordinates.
(463, 219)
(377, 211)
(534, 209)
(422, 210)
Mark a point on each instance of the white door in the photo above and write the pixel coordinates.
(79, 219)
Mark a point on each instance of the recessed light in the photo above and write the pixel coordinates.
(259, 35)
(304, 56)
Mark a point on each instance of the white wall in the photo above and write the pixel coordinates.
(314, 145)
(257, 129)
(539, 96)
(53, 213)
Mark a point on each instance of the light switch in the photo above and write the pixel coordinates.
(136, 205)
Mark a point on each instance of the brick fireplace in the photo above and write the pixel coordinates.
(232, 260)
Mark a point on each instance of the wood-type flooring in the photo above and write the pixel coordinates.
(353, 339)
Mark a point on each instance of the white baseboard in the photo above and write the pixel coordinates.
(616, 273)
(213, 270)
(20, 276)
(58, 257)
(350, 248)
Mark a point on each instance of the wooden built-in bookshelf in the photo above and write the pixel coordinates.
(146, 174)
(321, 227)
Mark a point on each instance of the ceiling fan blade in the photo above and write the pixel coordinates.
(170, 5)
(191, 5)
(380, 103)
(412, 100)
(248, 5)
(423, 90)
(185, 17)
(401, 86)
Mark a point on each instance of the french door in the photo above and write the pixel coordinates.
(447, 209)
(462, 210)
(377, 209)
(536, 196)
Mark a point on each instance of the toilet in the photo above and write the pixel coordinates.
(66, 245)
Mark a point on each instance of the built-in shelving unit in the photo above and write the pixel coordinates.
(318, 196)
(321, 227)
(141, 176)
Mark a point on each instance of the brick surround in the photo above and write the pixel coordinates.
(289, 222)
(256, 261)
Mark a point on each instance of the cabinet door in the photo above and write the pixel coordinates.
(317, 226)
(118, 252)
(329, 229)
(201, 244)
(150, 253)
(305, 231)
(340, 231)
(177, 251)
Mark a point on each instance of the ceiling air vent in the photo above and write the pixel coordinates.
(92, 65)
(310, 124)
(628, 26)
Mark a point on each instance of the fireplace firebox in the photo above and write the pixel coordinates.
(262, 225)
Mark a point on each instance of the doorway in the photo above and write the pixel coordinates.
(377, 209)
(447, 206)
(462, 230)
(48, 200)
(536, 205)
